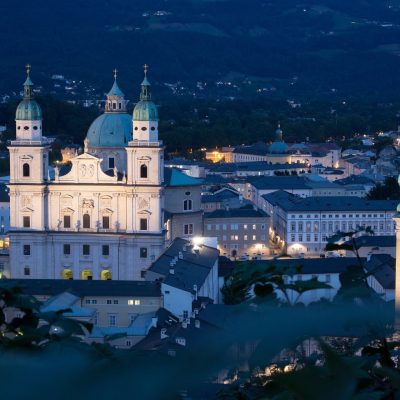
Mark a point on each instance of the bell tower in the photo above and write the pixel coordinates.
(29, 154)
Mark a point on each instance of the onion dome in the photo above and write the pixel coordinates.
(28, 109)
(145, 109)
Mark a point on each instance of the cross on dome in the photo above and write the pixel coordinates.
(28, 69)
(146, 68)
(115, 71)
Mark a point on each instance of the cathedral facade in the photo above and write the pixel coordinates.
(100, 216)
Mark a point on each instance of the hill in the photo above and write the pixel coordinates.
(276, 47)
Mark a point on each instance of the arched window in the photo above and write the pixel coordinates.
(86, 221)
(105, 275)
(26, 170)
(143, 171)
(187, 205)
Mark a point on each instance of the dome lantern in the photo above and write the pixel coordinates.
(115, 102)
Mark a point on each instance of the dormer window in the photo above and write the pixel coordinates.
(111, 163)
(114, 106)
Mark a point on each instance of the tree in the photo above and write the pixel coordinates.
(389, 190)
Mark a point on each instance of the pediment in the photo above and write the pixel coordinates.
(67, 210)
(26, 210)
(86, 168)
(86, 156)
(144, 212)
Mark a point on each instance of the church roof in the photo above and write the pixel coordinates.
(115, 90)
(28, 110)
(110, 130)
(174, 177)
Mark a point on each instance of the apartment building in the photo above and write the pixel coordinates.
(241, 232)
(302, 226)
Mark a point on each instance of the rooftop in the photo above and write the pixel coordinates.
(84, 288)
(191, 265)
(243, 212)
(174, 177)
(290, 202)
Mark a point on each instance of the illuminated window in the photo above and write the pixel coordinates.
(134, 302)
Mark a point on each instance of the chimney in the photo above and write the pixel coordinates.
(197, 323)
(163, 333)
(195, 291)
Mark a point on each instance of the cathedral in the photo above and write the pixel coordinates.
(99, 217)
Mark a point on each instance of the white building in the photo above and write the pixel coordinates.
(302, 226)
(101, 216)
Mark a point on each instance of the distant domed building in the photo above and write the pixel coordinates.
(278, 151)
(102, 215)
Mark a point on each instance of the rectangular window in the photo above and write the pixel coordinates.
(109, 301)
(254, 226)
(67, 249)
(106, 222)
(134, 302)
(115, 301)
(112, 320)
(27, 271)
(27, 250)
(86, 250)
(105, 250)
(188, 229)
(26, 222)
(143, 224)
(67, 221)
(143, 252)
(111, 163)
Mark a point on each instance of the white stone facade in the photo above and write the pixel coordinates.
(89, 221)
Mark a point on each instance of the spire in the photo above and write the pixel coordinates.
(115, 90)
(279, 133)
(28, 84)
(145, 93)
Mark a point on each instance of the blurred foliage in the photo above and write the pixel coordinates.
(388, 190)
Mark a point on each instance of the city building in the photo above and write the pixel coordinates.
(301, 226)
(224, 198)
(240, 232)
(183, 213)
(188, 272)
(101, 216)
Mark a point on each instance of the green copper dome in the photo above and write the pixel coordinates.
(145, 109)
(28, 109)
(278, 146)
(110, 130)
